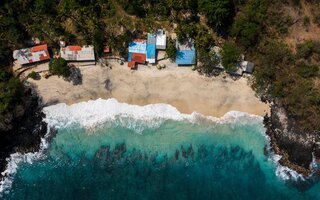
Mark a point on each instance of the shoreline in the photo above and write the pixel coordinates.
(180, 87)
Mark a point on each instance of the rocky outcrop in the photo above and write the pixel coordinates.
(297, 148)
(23, 128)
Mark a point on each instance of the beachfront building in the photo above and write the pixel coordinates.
(161, 40)
(247, 67)
(186, 53)
(77, 53)
(106, 50)
(151, 48)
(244, 67)
(137, 52)
(32, 55)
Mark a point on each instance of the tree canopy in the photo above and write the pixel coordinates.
(219, 13)
(230, 56)
(11, 91)
(59, 66)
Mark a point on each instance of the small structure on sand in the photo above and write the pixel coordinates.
(186, 53)
(161, 40)
(77, 53)
(31, 55)
(106, 50)
(247, 67)
(137, 52)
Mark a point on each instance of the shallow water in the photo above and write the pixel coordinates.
(131, 156)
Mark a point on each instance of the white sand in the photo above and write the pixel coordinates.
(178, 86)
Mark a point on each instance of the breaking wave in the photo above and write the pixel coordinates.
(93, 114)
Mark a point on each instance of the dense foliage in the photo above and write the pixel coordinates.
(248, 25)
(11, 91)
(171, 49)
(59, 66)
(219, 13)
(207, 62)
(286, 73)
(230, 56)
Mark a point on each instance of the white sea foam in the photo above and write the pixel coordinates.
(15, 159)
(285, 173)
(94, 113)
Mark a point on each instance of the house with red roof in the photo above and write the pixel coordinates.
(77, 53)
(32, 55)
(137, 52)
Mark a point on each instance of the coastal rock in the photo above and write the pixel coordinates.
(23, 128)
(297, 148)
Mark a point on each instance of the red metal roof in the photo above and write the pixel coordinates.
(43, 47)
(138, 57)
(106, 49)
(132, 64)
(139, 40)
(44, 57)
(74, 48)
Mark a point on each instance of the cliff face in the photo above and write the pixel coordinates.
(22, 130)
(296, 147)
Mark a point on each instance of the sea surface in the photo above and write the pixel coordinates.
(104, 149)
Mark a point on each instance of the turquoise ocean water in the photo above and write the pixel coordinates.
(108, 150)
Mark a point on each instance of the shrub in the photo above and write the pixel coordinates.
(307, 71)
(230, 56)
(306, 21)
(34, 75)
(316, 19)
(249, 25)
(59, 66)
(171, 50)
(218, 12)
(11, 91)
(208, 61)
(305, 50)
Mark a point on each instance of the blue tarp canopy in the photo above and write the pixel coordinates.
(138, 47)
(185, 57)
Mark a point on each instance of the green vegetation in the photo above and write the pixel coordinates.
(171, 49)
(59, 66)
(249, 23)
(288, 74)
(219, 13)
(11, 91)
(230, 57)
(307, 49)
(306, 21)
(307, 71)
(34, 75)
(207, 61)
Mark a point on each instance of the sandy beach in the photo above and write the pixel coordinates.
(179, 86)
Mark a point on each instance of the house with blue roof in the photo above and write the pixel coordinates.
(186, 53)
(137, 52)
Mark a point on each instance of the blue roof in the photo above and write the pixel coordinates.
(138, 47)
(151, 51)
(186, 57)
